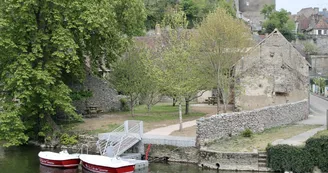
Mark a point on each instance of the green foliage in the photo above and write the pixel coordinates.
(289, 158)
(12, 129)
(175, 18)
(321, 83)
(310, 48)
(268, 10)
(66, 139)
(318, 147)
(130, 73)
(281, 21)
(195, 10)
(43, 45)
(124, 104)
(79, 95)
(247, 133)
(221, 41)
(300, 159)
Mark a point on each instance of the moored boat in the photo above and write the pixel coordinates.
(104, 164)
(60, 160)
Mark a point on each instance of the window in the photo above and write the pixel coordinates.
(319, 32)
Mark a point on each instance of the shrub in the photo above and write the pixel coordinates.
(65, 139)
(289, 158)
(247, 133)
(124, 104)
(300, 159)
(318, 147)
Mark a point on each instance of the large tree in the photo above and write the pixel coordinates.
(280, 20)
(221, 40)
(130, 73)
(43, 45)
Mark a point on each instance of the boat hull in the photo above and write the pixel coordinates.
(71, 163)
(103, 169)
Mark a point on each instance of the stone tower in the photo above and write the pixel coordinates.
(250, 10)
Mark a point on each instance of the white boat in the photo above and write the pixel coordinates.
(104, 164)
(60, 160)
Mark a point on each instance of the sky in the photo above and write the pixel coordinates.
(296, 5)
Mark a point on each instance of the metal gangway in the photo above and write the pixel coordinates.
(121, 139)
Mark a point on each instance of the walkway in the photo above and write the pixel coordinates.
(318, 109)
(166, 131)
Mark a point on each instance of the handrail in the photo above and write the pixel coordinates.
(119, 146)
(119, 137)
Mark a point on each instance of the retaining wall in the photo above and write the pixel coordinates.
(228, 161)
(227, 125)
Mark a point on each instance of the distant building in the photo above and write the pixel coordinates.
(250, 11)
(273, 72)
(311, 21)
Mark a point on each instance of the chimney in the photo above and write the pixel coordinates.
(157, 29)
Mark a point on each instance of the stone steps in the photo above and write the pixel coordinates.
(262, 160)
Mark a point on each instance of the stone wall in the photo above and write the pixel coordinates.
(228, 161)
(174, 153)
(226, 125)
(320, 42)
(103, 95)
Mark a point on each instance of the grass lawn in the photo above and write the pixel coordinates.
(258, 141)
(161, 115)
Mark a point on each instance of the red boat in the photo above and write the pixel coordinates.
(60, 160)
(103, 164)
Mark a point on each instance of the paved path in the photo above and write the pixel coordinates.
(318, 107)
(169, 129)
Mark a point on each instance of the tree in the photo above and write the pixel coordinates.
(221, 40)
(43, 45)
(177, 69)
(310, 48)
(268, 10)
(321, 83)
(130, 75)
(281, 21)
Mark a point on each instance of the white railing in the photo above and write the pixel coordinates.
(120, 139)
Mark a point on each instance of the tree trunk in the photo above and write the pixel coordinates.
(180, 116)
(148, 107)
(174, 101)
(132, 106)
(218, 93)
(187, 107)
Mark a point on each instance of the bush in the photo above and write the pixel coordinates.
(318, 147)
(247, 133)
(300, 159)
(65, 139)
(124, 104)
(289, 158)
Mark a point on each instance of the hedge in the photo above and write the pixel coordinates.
(300, 159)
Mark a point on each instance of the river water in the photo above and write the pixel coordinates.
(25, 160)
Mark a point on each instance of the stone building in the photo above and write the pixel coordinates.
(272, 73)
(250, 11)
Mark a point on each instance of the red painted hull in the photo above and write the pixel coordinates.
(72, 163)
(103, 169)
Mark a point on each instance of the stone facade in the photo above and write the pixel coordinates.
(251, 11)
(319, 65)
(229, 161)
(226, 125)
(104, 97)
(174, 154)
(271, 73)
